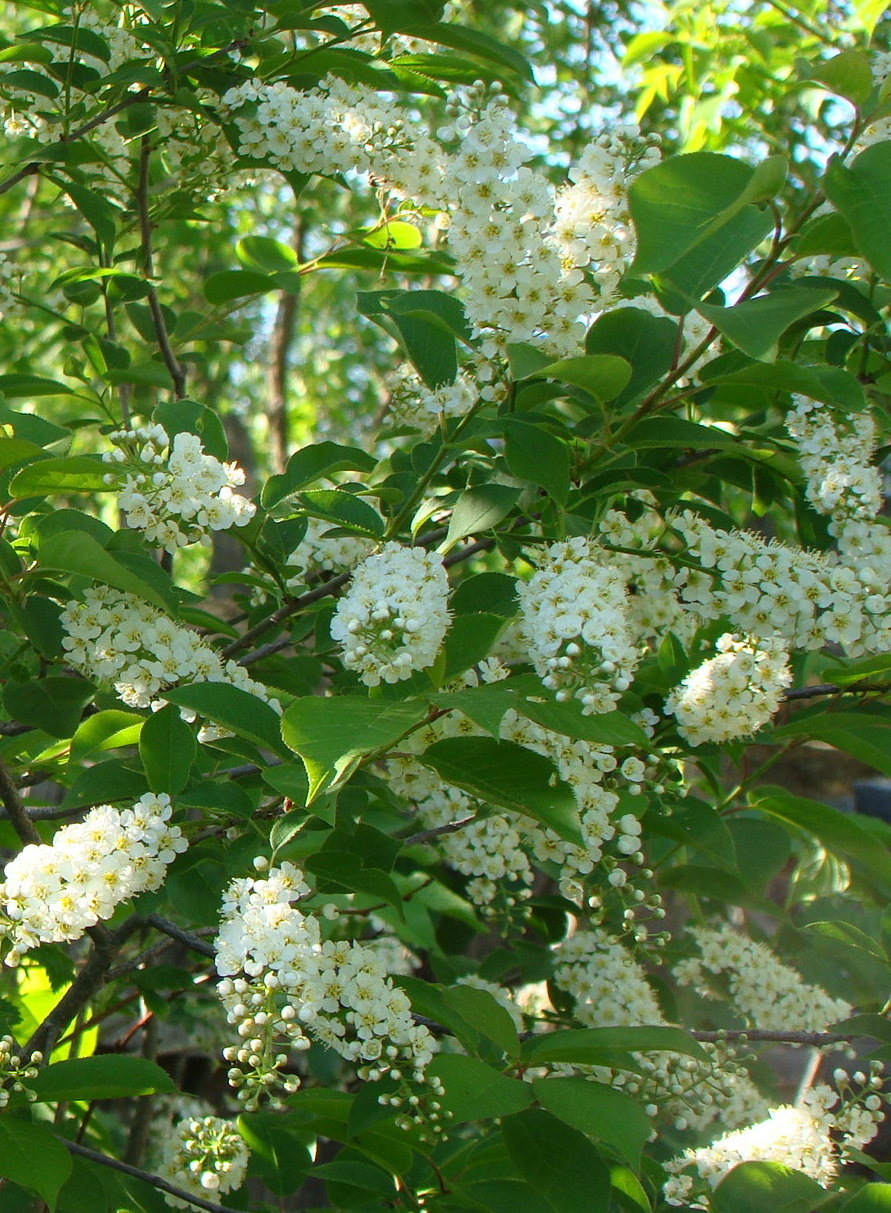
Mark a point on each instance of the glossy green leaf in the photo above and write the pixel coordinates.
(78, 552)
(343, 509)
(534, 454)
(609, 728)
(104, 1076)
(54, 704)
(597, 1110)
(475, 1090)
(190, 417)
(579, 1045)
(32, 1155)
(647, 343)
(168, 749)
(756, 325)
(232, 708)
(104, 731)
(861, 191)
(754, 1187)
(74, 474)
(558, 1161)
(602, 376)
(480, 508)
(319, 461)
(333, 735)
(228, 285)
(507, 776)
(265, 254)
(850, 936)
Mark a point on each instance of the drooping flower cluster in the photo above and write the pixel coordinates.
(174, 492)
(763, 990)
(414, 403)
(16, 1072)
(836, 455)
(283, 986)
(120, 640)
(802, 1137)
(574, 617)
(394, 616)
(202, 1155)
(734, 694)
(52, 892)
(769, 589)
(610, 989)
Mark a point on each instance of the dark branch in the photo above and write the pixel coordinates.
(174, 367)
(15, 809)
(438, 831)
(146, 1176)
(184, 937)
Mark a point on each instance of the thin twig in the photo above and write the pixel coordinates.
(815, 1040)
(438, 831)
(146, 1176)
(174, 366)
(15, 809)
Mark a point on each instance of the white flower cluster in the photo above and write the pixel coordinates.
(592, 225)
(394, 616)
(413, 403)
(574, 616)
(734, 694)
(836, 455)
(52, 892)
(15, 1072)
(821, 265)
(769, 589)
(201, 1155)
(610, 989)
(800, 1137)
(763, 990)
(283, 983)
(174, 492)
(118, 639)
(8, 283)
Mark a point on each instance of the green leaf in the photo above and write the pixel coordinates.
(494, 593)
(479, 509)
(476, 1091)
(754, 1187)
(849, 935)
(266, 255)
(226, 285)
(101, 215)
(848, 74)
(756, 325)
(77, 552)
(395, 233)
(609, 728)
(104, 731)
(713, 258)
(232, 708)
(334, 735)
(486, 1014)
(18, 450)
(509, 776)
(342, 509)
(647, 343)
(484, 705)
(558, 1162)
(427, 323)
(872, 1198)
(392, 16)
(681, 202)
(75, 474)
(168, 749)
(599, 1111)
(602, 376)
(861, 191)
(481, 45)
(534, 454)
(31, 1155)
(53, 704)
(839, 832)
(103, 1076)
(865, 734)
(190, 417)
(278, 1154)
(316, 462)
(469, 640)
(581, 1045)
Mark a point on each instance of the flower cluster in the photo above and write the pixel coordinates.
(574, 617)
(174, 492)
(733, 694)
(8, 284)
(765, 992)
(283, 984)
(52, 892)
(118, 639)
(610, 989)
(321, 552)
(413, 403)
(394, 616)
(836, 456)
(15, 1072)
(800, 1137)
(769, 589)
(201, 1155)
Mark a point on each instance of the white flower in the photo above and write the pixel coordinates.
(203, 1154)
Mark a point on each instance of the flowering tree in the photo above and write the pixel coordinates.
(424, 854)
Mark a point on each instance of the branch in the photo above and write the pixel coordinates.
(184, 937)
(174, 367)
(280, 347)
(88, 981)
(15, 809)
(438, 831)
(146, 1176)
(816, 1040)
(830, 688)
(289, 607)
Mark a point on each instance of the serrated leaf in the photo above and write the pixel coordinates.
(599, 1111)
(74, 474)
(861, 191)
(312, 463)
(558, 1161)
(103, 1076)
(479, 509)
(167, 748)
(78, 552)
(579, 1045)
(756, 325)
(475, 1090)
(53, 704)
(31, 1155)
(232, 708)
